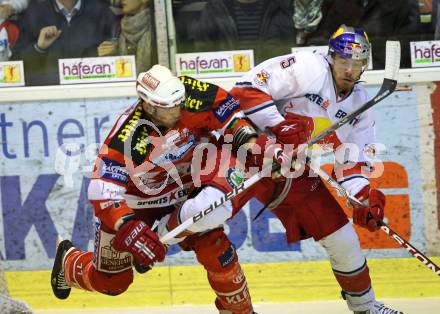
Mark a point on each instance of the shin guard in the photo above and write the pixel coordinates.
(217, 254)
(356, 288)
(231, 290)
(350, 267)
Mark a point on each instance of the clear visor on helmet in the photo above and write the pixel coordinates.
(346, 64)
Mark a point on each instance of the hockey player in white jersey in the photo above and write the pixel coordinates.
(317, 90)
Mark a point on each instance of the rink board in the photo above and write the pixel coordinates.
(43, 190)
(272, 282)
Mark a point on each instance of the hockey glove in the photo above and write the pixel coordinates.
(269, 149)
(371, 215)
(293, 130)
(138, 239)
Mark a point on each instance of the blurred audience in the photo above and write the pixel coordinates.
(10, 7)
(137, 35)
(263, 25)
(436, 19)
(382, 20)
(9, 305)
(115, 6)
(306, 18)
(55, 29)
(9, 31)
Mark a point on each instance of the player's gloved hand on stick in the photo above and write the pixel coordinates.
(371, 215)
(267, 148)
(138, 239)
(294, 130)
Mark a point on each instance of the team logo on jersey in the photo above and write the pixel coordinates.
(176, 152)
(261, 78)
(317, 99)
(235, 177)
(225, 110)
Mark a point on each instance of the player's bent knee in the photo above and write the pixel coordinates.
(111, 284)
(215, 252)
(343, 248)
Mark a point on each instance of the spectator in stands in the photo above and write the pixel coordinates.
(307, 16)
(9, 32)
(9, 305)
(54, 29)
(436, 18)
(10, 7)
(265, 25)
(8, 37)
(115, 6)
(382, 20)
(137, 35)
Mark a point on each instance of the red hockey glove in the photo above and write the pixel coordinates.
(372, 214)
(137, 238)
(268, 148)
(293, 130)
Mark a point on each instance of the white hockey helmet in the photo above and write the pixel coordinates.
(160, 88)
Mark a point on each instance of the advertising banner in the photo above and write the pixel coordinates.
(11, 74)
(425, 54)
(214, 64)
(97, 70)
(49, 147)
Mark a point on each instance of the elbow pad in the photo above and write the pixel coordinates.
(242, 131)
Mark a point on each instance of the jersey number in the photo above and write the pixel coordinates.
(288, 62)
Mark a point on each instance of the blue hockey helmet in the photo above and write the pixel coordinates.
(350, 42)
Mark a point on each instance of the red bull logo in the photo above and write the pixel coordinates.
(261, 78)
(353, 47)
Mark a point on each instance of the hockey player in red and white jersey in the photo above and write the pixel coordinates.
(141, 177)
(316, 91)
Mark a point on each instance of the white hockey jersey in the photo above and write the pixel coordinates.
(302, 84)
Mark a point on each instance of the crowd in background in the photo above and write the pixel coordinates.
(40, 32)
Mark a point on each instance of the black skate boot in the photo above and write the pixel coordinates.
(57, 280)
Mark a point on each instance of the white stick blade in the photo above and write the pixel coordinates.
(392, 59)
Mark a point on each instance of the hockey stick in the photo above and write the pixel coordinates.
(392, 64)
(383, 226)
